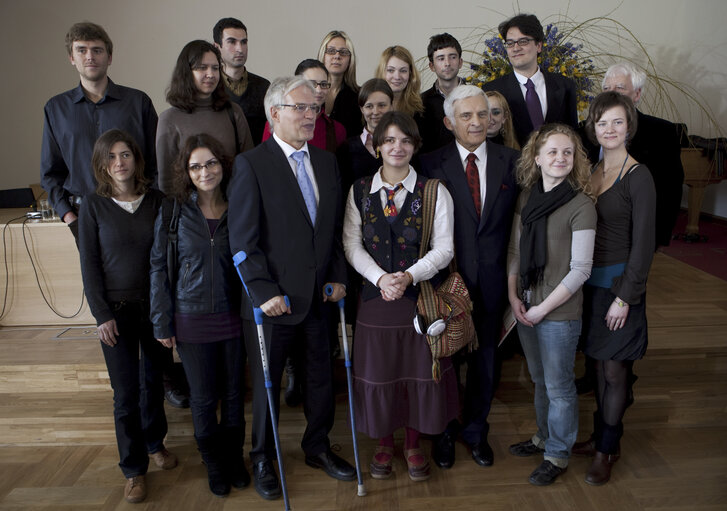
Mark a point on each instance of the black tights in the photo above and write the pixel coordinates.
(612, 389)
(613, 385)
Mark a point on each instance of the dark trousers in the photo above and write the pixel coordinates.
(480, 387)
(318, 404)
(215, 372)
(139, 418)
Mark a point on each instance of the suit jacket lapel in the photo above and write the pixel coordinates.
(517, 104)
(458, 181)
(555, 96)
(494, 175)
(321, 180)
(287, 178)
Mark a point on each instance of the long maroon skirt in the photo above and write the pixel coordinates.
(392, 373)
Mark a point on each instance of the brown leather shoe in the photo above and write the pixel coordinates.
(164, 459)
(586, 448)
(600, 471)
(135, 489)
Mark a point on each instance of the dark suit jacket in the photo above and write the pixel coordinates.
(269, 222)
(480, 243)
(656, 145)
(561, 92)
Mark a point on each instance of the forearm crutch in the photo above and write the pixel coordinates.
(258, 314)
(349, 378)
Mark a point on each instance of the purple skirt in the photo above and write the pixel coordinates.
(392, 373)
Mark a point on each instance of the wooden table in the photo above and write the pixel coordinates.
(54, 254)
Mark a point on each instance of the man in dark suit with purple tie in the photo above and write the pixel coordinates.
(535, 97)
(285, 230)
(481, 179)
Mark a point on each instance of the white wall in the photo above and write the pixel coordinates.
(687, 41)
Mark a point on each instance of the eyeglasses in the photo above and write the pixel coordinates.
(343, 52)
(196, 167)
(522, 43)
(303, 107)
(323, 85)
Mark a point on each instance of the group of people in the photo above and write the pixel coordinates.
(278, 191)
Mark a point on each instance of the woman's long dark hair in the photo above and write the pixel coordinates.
(100, 163)
(183, 186)
(182, 91)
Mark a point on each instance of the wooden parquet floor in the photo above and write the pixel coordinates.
(57, 447)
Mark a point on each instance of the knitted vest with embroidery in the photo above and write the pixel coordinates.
(394, 246)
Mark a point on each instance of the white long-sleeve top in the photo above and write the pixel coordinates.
(441, 242)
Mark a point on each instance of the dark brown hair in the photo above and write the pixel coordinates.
(404, 122)
(371, 86)
(183, 186)
(606, 101)
(528, 24)
(87, 31)
(100, 163)
(182, 91)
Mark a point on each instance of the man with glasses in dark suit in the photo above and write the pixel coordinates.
(535, 97)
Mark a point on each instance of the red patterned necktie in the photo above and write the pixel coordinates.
(390, 211)
(473, 181)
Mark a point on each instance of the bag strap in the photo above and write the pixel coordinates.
(429, 207)
(231, 115)
(427, 300)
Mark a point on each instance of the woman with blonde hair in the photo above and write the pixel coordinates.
(549, 258)
(337, 54)
(396, 66)
(500, 130)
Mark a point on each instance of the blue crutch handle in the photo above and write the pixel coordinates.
(256, 311)
(329, 291)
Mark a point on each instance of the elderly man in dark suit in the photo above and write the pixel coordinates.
(656, 145)
(480, 177)
(285, 222)
(535, 97)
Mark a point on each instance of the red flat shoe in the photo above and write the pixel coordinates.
(417, 471)
(380, 467)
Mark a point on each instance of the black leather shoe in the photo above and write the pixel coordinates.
(266, 480)
(177, 398)
(524, 449)
(545, 474)
(482, 454)
(333, 465)
(443, 450)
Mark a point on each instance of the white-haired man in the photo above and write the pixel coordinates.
(481, 179)
(285, 231)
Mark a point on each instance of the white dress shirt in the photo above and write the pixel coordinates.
(539, 81)
(441, 242)
(288, 150)
(481, 162)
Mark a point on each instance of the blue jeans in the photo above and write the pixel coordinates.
(550, 350)
(139, 417)
(215, 372)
